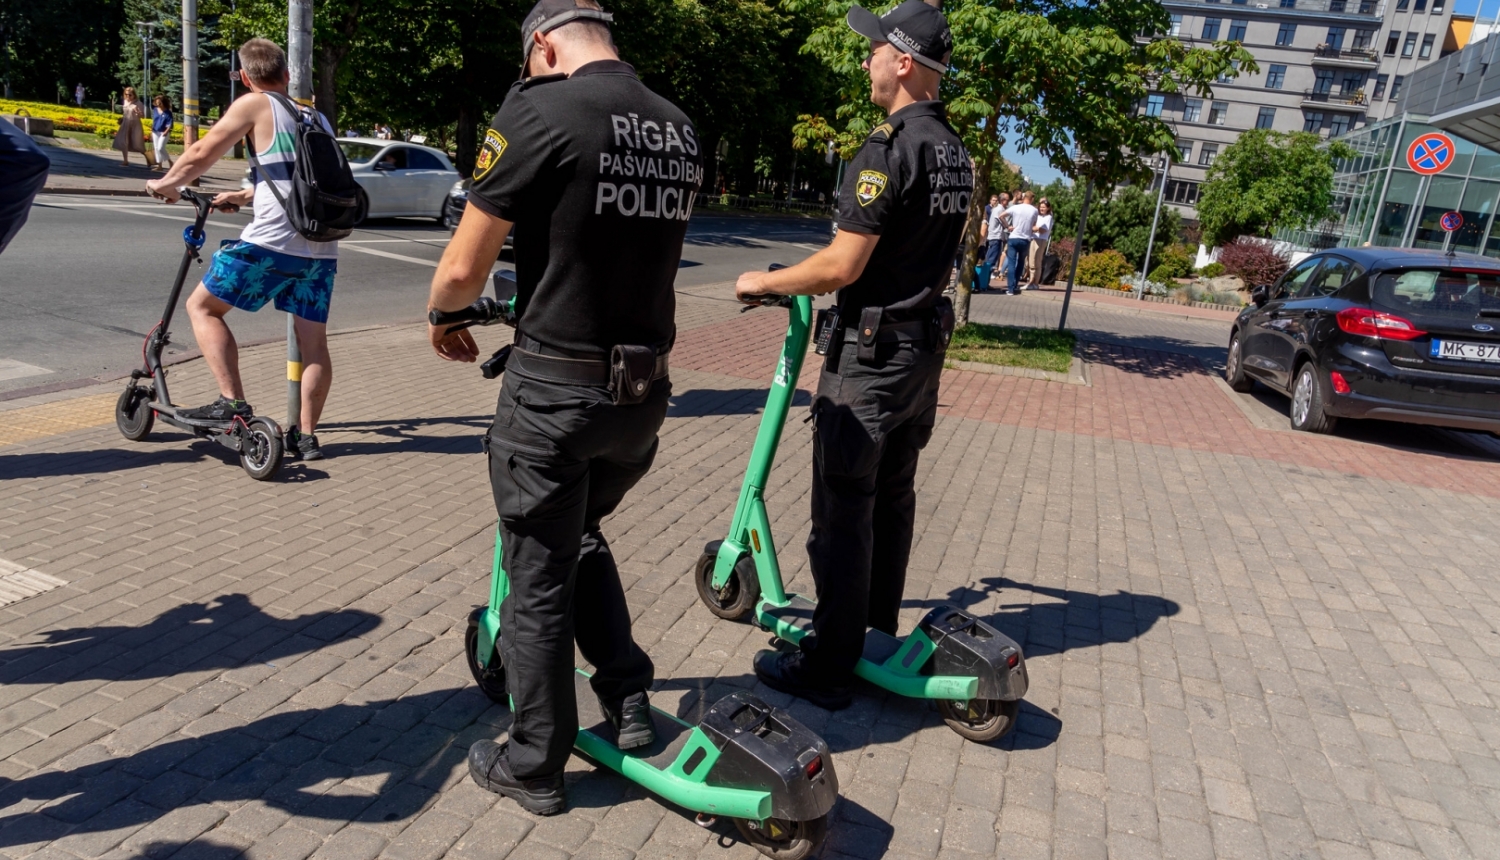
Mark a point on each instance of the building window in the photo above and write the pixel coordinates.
(1352, 83)
(1288, 4)
(1426, 52)
(1323, 83)
(1275, 77)
(1184, 151)
(1211, 29)
(1402, 4)
(1286, 34)
(1237, 30)
(1392, 42)
(1335, 38)
(1336, 5)
(1184, 193)
(1362, 39)
(1396, 87)
(1267, 118)
(1217, 113)
(1437, 7)
(1421, 6)
(1207, 153)
(1154, 105)
(1176, 28)
(1313, 121)
(1230, 73)
(1410, 45)
(1380, 82)
(1192, 109)
(1366, 7)
(1338, 124)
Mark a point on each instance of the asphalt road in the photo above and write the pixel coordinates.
(89, 276)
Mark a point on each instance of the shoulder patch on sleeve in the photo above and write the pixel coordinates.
(870, 185)
(884, 131)
(489, 152)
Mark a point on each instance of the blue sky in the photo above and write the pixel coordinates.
(1035, 165)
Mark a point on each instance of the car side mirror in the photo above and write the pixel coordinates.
(381, 165)
(1260, 295)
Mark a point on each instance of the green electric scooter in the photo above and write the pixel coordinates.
(975, 674)
(746, 760)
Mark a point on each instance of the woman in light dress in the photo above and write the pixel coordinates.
(1043, 238)
(130, 138)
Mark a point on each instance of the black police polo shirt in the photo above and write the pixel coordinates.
(598, 174)
(910, 185)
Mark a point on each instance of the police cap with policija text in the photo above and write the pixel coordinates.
(548, 15)
(913, 28)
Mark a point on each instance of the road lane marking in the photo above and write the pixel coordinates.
(376, 252)
(18, 583)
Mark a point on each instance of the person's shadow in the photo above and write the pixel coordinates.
(223, 633)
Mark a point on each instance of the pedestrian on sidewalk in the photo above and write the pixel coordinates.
(1021, 218)
(877, 395)
(1041, 241)
(161, 131)
(78, 94)
(271, 260)
(596, 281)
(130, 138)
(992, 233)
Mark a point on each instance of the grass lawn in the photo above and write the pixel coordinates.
(1036, 348)
(94, 141)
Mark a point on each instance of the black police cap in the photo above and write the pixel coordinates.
(548, 15)
(913, 28)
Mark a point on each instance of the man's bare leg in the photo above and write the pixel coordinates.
(216, 340)
(317, 370)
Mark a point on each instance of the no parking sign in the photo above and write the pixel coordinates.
(1451, 221)
(1430, 153)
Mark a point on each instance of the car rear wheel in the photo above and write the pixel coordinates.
(1308, 403)
(1234, 365)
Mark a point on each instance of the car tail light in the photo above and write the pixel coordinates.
(1369, 323)
(1340, 384)
(814, 767)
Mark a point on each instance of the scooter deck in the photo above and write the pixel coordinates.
(888, 662)
(170, 413)
(671, 733)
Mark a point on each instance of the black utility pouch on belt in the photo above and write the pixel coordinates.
(945, 322)
(630, 370)
(869, 332)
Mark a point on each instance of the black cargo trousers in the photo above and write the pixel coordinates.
(561, 459)
(872, 421)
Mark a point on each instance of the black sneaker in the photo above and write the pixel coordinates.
(786, 671)
(222, 409)
(632, 721)
(307, 446)
(488, 767)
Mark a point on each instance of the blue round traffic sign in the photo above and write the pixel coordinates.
(1430, 153)
(1451, 221)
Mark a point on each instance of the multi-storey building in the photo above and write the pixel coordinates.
(1327, 66)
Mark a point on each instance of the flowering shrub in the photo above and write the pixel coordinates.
(1255, 263)
(1212, 270)
(1104, 269)
(74, 118)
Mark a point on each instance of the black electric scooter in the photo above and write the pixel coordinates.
(771, 775)
(258, 441)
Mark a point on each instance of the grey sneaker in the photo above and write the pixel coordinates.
(222, 409)
(307, 446)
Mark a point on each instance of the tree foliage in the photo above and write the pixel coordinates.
(1121, 221)
(44, 43)
(1268, 180)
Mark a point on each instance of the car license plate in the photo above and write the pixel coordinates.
(1466, 351)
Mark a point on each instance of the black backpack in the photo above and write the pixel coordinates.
(325, 202)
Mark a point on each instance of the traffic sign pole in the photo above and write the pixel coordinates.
(1409, 235)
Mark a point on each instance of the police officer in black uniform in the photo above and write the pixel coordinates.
(900, 215)
(597, 174)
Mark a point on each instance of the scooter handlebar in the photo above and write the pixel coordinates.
(486, 311)
(768, 300)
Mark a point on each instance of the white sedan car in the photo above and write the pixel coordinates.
(402, 179)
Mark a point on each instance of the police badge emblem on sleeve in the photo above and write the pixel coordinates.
(489, 152)
(869, 186)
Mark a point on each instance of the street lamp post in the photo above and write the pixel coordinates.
(189, 72)
(145, 29)
(1161, 192)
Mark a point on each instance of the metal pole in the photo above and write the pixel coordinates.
(1151, 239)
(299, 61)
(189, 72)
(1083, 219)
(1414, 220)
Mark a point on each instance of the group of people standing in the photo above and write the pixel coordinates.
(1015, 234)
(130, 138)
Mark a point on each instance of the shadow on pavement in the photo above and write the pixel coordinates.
(1133, 354)
(403, 436)
(697, 402)
(58, 464)
(221, 634)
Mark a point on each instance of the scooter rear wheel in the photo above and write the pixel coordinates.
(261, 449)
(133, 413)
(738, 596)
(785, 840)
(491, 679)
(980, 720)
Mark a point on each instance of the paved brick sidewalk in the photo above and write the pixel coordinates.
(1242, 643)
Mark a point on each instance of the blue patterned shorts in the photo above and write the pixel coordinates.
(247, 276)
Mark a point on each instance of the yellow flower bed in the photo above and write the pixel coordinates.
(74, 118)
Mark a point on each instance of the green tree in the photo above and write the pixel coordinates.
(1062, 79)
(1121, 221)
(1266, 181)
(43, 42)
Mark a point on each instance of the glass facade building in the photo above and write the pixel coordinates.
(1382, 202)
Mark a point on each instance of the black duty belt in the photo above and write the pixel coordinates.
(533, 359)
(901, 332)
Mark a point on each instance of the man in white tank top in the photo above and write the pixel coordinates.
(271, 262)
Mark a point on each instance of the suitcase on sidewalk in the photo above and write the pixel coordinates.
(1051, 265)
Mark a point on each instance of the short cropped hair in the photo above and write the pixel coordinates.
(586, 30)
(263, 61)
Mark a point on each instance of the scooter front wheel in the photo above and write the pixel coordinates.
(261, 449)
(133, 413)
(491, 679)
(738, 596)
(980, 720)
(784, 840)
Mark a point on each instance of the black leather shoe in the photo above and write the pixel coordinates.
(632, 721)
(785, 671)
(488, 767)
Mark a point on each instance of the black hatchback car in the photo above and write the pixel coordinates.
(1396, 334)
